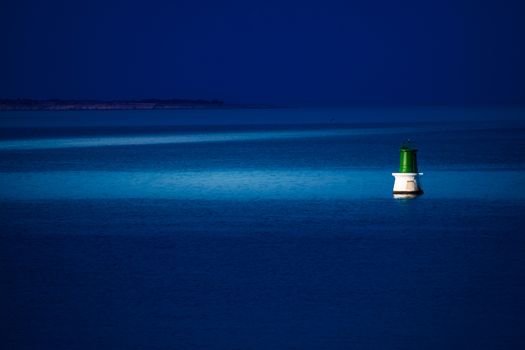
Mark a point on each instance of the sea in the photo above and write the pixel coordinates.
(261, 229)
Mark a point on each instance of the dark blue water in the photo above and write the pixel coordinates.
(161, 234)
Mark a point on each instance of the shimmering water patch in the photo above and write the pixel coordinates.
(254, 184)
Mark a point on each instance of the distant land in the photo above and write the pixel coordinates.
(23, 104)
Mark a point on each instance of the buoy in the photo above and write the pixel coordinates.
(407, 182)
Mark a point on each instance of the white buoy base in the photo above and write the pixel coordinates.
(407, 183)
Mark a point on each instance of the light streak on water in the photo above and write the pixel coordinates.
(82, 142)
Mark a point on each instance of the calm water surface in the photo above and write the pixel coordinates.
(150, 232)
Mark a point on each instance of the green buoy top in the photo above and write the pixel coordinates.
(408, 158)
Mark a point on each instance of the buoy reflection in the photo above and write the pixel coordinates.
(406, 196)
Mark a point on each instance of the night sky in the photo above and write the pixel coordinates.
(378, 52)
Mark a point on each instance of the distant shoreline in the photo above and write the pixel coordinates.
(99, 105)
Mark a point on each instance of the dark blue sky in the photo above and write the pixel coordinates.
(351, 52)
